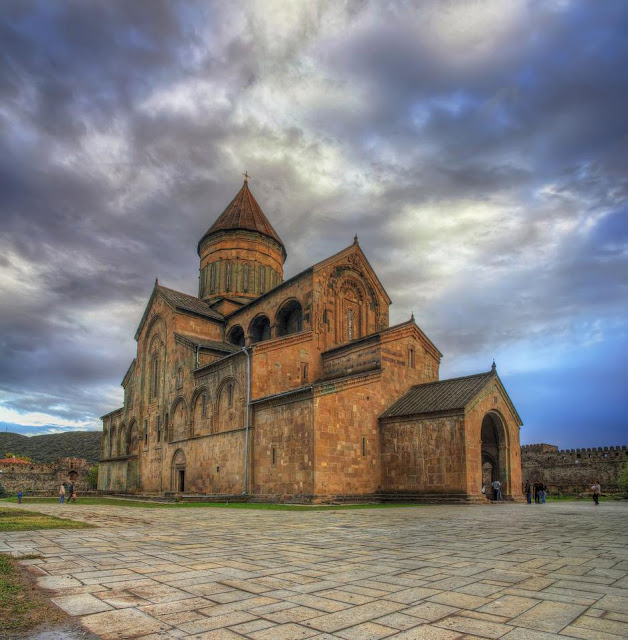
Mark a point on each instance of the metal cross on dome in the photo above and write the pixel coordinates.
(246, 177)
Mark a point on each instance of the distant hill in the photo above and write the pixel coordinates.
(48, 448)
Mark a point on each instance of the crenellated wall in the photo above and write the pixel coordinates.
(44, 476)
(573, 470)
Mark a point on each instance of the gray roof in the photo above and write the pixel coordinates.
(189, 303)
(208, 344)
(434, 397)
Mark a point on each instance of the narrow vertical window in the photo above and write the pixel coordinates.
(230, 392)
(304, 371)
(350, 324)
(411, 358)
(363, 447)
(262, 279)
(273, 456)
(212, 278)
(146, 432)
(228, 277)
(245, 278)
(204, 406)
(179, 377)
(155, 376)
(158, 428)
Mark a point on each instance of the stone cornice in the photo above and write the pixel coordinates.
(340, 384)
(281, 342)
(287, 397)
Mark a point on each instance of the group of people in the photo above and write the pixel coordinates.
(71, 493)
(538, 490)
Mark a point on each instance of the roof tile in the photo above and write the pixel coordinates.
(433, 397)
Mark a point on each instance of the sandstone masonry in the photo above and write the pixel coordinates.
(573, 470)
(297, 389)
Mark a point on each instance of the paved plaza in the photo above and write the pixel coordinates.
(511, 571)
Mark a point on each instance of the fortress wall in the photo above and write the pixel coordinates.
(573, 470)
(44, 476)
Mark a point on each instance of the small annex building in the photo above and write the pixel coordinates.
(297, 389)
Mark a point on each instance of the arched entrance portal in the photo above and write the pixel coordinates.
(178, 472)
(494, 453)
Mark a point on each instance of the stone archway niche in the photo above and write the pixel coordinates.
(178, 480)
(495, 453)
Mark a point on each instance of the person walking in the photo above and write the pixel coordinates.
(596, 493)
(71, 493)
(528, 492)
(497, 485)
(61, 494)
(19, 497)
(542, 492)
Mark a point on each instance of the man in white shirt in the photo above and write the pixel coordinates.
(497, 485)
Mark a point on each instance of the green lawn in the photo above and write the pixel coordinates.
(23, 609)
(22, 520)
(115, 502)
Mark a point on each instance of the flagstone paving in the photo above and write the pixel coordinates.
(514, 571)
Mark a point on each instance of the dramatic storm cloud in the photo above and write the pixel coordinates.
(479, 149)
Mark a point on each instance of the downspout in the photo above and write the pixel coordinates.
(248, 411)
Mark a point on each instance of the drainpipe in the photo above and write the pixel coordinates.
(248, 411)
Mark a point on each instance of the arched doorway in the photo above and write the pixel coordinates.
(494, 453)
(178, 472)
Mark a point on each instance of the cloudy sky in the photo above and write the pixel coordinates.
(479, 149)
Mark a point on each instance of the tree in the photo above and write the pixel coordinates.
(92, 477)
(623, 478)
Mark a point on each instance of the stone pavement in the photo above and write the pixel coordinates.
(511, 571)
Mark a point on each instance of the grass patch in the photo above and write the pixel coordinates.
(22, 520)
(119, 502)
(22, 607)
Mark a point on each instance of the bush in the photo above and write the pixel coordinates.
(3, 492)
(623, 479)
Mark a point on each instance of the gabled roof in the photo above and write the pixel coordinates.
(193, 341)
(434, 397)
(128, 373)
(180, 302)
(243, 212)
(14, 460)
(354, 247)
(185, 302)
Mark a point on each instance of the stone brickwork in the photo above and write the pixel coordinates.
(40, 477)
(573, 471)
(275, 388)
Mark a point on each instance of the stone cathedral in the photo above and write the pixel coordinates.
(297, 389)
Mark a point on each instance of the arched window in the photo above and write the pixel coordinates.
(350, 324)
(236, 336)
(411, 358)
(154, 384)
(228, 277)
(179, 378)
(230, 394)
(262, 279)
(290, 318)
(158, 428)
(260, 329)
(204, 406)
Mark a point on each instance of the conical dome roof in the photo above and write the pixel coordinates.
(243, 212)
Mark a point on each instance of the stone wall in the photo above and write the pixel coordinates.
(573, 470)
(45, 476)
